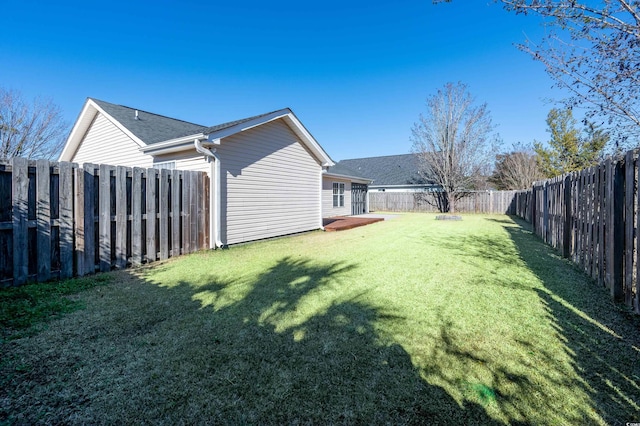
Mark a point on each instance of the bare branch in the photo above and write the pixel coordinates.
(592, 48)
(35, 130)
(452, 141)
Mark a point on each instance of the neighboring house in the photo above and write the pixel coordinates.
(267, 171)
(391, 173)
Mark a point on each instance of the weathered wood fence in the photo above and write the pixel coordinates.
(490, 202)
(59, 220)
(592, 218)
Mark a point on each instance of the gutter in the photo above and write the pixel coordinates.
(214, 194)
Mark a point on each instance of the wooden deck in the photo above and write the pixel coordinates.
(342, 223)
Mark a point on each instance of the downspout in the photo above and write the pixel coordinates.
(214, 194)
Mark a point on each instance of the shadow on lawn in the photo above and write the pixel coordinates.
(603, 339)
(600, 341)
(161, 354)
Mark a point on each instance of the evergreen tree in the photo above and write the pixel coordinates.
(569, 149)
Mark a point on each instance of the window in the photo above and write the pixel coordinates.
(169, 165)
(338, 194)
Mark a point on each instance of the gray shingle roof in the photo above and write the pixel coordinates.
(150, 128)
(387, 170)
(223, 126)
(153, 128)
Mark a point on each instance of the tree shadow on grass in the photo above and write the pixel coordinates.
(588, 350)
(602, 338)
(273, 350)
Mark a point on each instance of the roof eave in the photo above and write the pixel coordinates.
(356, 179)
(182, 143)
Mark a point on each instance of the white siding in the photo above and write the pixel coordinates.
(327, 198)
(188, 160)
(104, 143)
(270, 184)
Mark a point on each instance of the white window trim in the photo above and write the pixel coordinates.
(339, 192)
(169, 165)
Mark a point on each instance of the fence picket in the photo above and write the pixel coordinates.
(152, 214)
(636, 300)
(629, 165)
(65, 203)
(91, 217)
(104, 221)
(136, 216)
(79, 197)
(20, 191)
(121, 218)
(43, 219)
(163, 215)
(175, 212)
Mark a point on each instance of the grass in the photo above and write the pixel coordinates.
(409, 321)
(23, 310)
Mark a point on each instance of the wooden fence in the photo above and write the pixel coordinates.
(59, 220)
(490, 202)
(592, 218)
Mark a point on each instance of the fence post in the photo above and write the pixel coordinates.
(43, 219)
(20, 190)
(568, 228)
(629, 227)
(65, 204)
(617, 273)
(151, 193)
(121, 217)
(136, 216)
(545, 213)
(636, 301)
(104, 240)
(79, 221)
(533, 212)
(89, 194)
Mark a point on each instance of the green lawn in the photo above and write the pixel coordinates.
(408, 321)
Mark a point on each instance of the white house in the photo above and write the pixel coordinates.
(268, 173)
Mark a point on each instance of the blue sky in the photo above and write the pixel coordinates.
(356, 73)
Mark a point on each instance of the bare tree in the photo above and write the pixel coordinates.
(592, 49)
(517, 169)
(29, 130)
(453, 143)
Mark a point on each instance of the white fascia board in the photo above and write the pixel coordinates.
(82, 123)
(351, 178)
(173, 145)
(84, 120)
